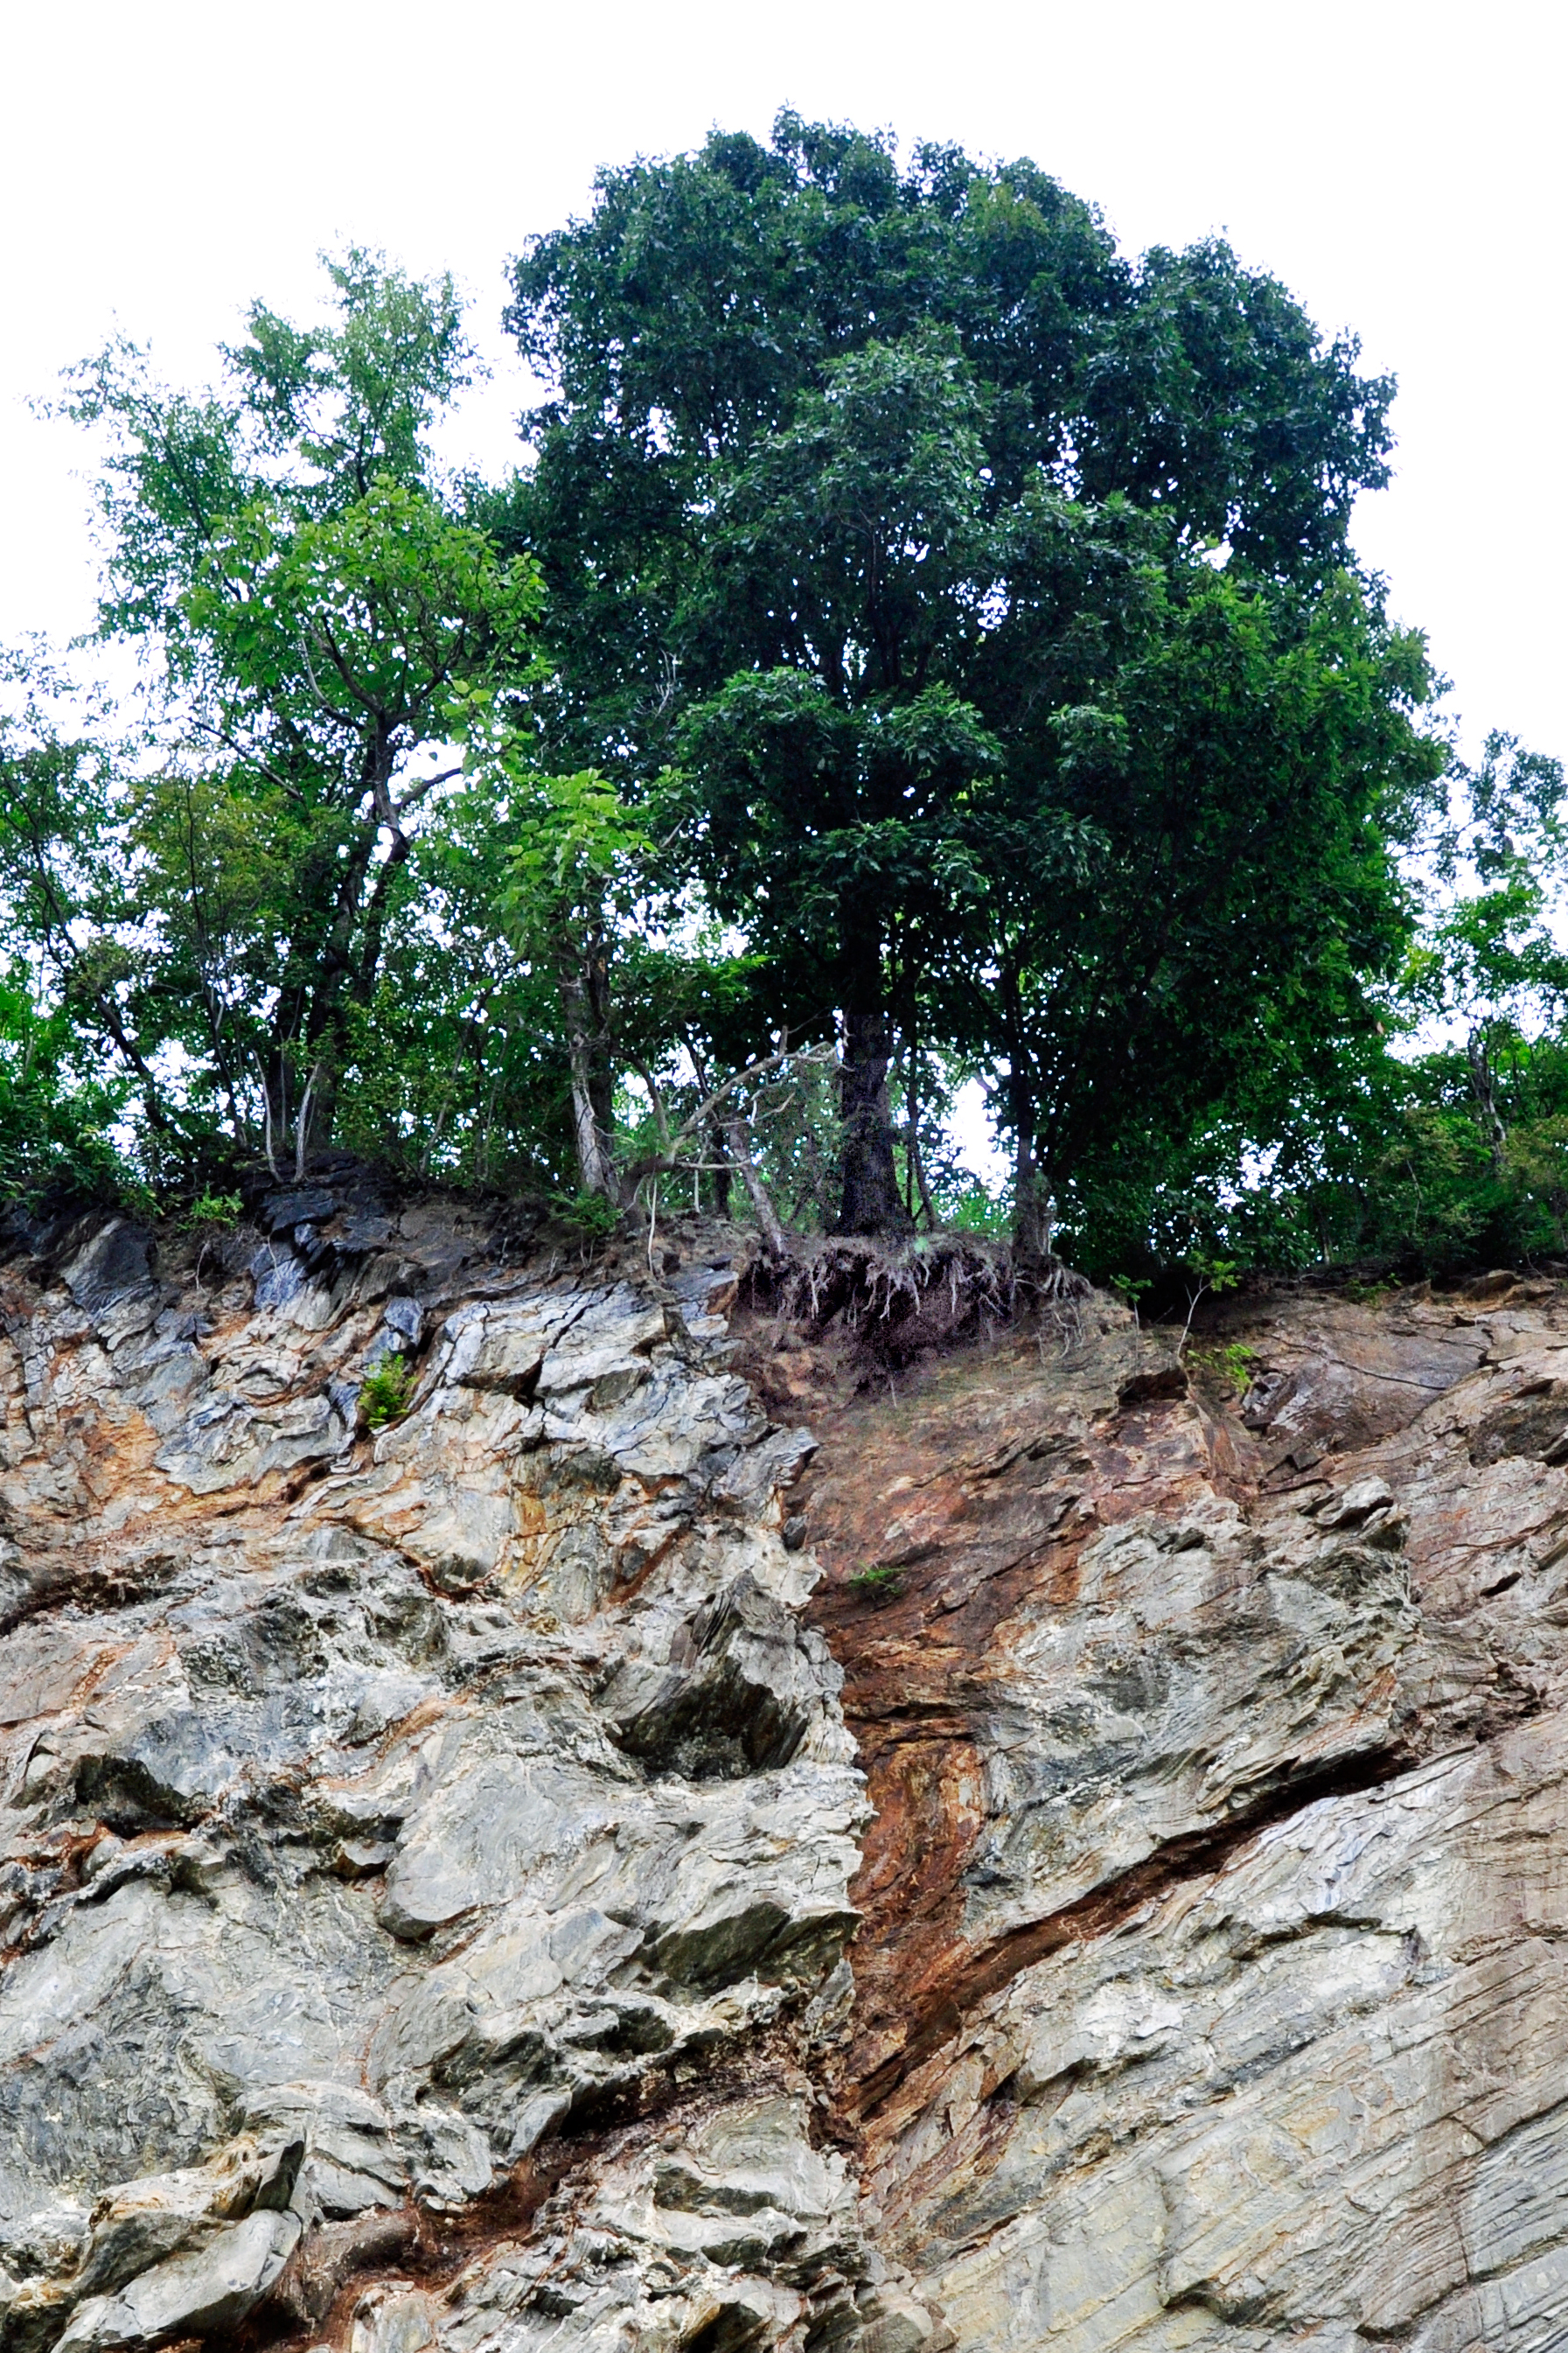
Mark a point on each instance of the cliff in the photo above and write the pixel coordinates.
(498, 1884)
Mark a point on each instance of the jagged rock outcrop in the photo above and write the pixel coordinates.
(390, 1824)
(1212, 1984)
(481, 1886)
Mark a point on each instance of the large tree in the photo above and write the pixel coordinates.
(317, 617)
(326, 893)
(854, 484)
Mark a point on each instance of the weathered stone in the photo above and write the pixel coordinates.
(445, 1841)
(1209, 1991)
(211, 2288)
(304, 1205)
(114, 1263)
(345, 1795)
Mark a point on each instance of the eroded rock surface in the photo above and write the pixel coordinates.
(1212, 1990)
(482, 1887)
(425, 1856)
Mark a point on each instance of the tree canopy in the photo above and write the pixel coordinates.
(920, 644)
(882, 507)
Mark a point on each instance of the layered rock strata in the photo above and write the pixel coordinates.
(1212, 1986)
(481, 1886)
(425, 1854)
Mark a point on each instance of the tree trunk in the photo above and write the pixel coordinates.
(1033, 1217)
(1032, 1209)
(870, 1202)
(1482, 1086)
(317, 1106)
(583, 989)
(915, 1186)
(720, 1173)
(766, 1215)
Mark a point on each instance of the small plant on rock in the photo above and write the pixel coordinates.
(876, 1585)
(1128, 1288)
(386, 1392)
(1231, 1364)
(590, 1215)
(1208, 1275)
(212, 1209)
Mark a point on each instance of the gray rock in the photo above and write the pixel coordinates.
(460, 1824)
(210, 2288)
(116, 1262)
(405, 1317)
(303, 1205)
(499, 1776)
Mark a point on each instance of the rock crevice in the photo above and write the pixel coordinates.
(511, 1880)
(442, 1831)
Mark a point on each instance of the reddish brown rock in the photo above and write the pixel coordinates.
(1186, 1916)
(423, 1855)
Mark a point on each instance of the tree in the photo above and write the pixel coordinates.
(924, 642)
(57, 1110)
(1231, 791)
(855, 483)
(573, 858)
(286, 554)
(1429, 1130)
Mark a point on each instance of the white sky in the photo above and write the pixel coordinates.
(1401, 166)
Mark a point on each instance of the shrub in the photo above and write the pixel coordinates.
(386, 1392)
(1231, 1364)
(589, 1214)
(216, 1210)
(876, 1585)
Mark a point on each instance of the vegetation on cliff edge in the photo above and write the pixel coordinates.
(920, 646)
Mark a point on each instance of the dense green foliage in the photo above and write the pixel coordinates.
(876, 504)
(228, 903)
(920, 645)
(1428, 1160)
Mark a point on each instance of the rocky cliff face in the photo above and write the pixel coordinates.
(498, 1885)
(1212, 1986)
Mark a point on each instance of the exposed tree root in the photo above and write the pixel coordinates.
(904, 1300)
